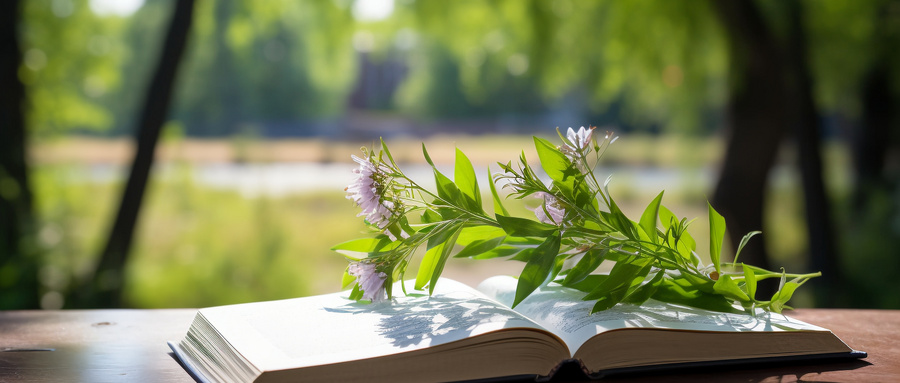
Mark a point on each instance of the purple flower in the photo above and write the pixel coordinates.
(371, 281)
(551, 211)
(367, 191)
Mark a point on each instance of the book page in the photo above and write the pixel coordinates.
(330, 328)
(561, 310)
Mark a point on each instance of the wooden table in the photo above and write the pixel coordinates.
(130, 346)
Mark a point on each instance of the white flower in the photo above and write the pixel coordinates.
(577, 146)
(371, 281)
(578, 141)
(551, 211)
(581, 139)
(367, 191)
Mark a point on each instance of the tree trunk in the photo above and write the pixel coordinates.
(18, 256)
(871, 223)
(774, 95)
(756, 116)
(807, 128)
(872, 139)
(105, 289)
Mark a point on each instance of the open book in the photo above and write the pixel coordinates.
(461, 333)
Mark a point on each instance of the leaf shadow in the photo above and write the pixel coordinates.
(409, 321)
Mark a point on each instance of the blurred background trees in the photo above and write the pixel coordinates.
(788, 110)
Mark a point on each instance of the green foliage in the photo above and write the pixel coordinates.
(846, 40)
(71, 65)
(639, 63)
(662, 62)
(246, 61)
(647, 262)
(716, 237)
(538, 268)
(272, 60)
(196, 246)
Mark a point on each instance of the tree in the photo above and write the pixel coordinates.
(105, 287)
(278, 61)
(18, 257)
(758, 116)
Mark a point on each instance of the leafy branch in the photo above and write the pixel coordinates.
(578, 228)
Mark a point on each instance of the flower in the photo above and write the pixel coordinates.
(551, 211)
(371, 281)
(367, 191)
(577, 141)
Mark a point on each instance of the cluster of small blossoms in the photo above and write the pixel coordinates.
(551, 211)
(368, 192)
(371, 281)
(578, 141)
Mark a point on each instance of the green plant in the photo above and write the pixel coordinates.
(579, 226)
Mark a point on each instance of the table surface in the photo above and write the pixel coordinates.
(130, 345)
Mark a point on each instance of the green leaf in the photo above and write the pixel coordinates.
(387, 152)
(565, 175)
(589, 283)
(587, 264)
(429, 216)
(622, 277)
(365, 247)
(620, 292)
(726, 286)
(524, 255)
(447, 247)
(399, 273)
(716, 237)
(554, 162)
(523, 241)
(646, 290)
(686, 244)
(782, 296)
(672, 292)
(499, 209)
(479, 246)
(695, 282)
(759, 271)
(439, 246)
(446, 189)
(513, 246)
(649, 218)
(356, 294)
(497, 252)
(558, 264)
(427, 157)
(537, 269)
(743, 243)
(389, 287)
(750, 281)
(347, 279)
(479, 232)
(620, 222)
(521, 227)
(464, 175)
